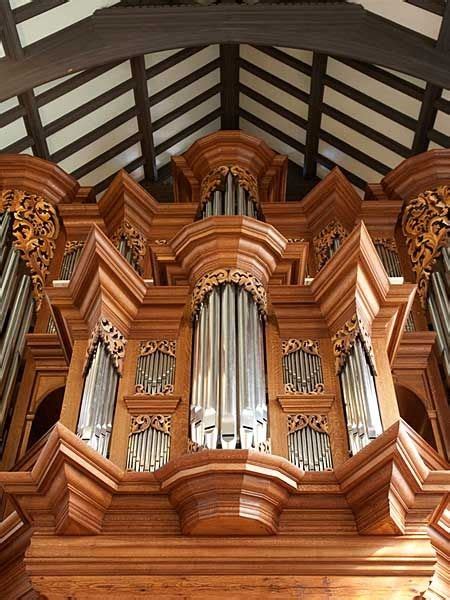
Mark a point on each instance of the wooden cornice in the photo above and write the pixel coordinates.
(126, 200)
(162, 404)
(103, 285)
(228, 242)
(395, 478)
(296, 310)
(78, 219)
(333, 198)
(414, 350)
(37, 176)
(230, 148)
(319, 403)
(418, 174)
(354, 281)
(381, 215)
(438, 531)
(46, 350)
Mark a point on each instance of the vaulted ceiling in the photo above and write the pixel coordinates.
(323, 103)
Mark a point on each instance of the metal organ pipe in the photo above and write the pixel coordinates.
(232, 200)
(228, 403)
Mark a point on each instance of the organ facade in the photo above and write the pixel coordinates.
(227, 392)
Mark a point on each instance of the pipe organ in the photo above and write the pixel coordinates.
(228, 402)
(229, 366)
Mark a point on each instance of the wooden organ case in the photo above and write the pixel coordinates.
(229, 394)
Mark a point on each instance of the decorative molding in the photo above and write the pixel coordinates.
(167, 389)
(293, 344)
(112, 338)
(306, 403)
(344, 340)
(35, 230)
(426, 224)
(152, 346)
(290, 389)
(141, 423)
(156, 404)
(72, 246)
(265, 447)
(300, 421)
(249, 282)
(388, 243)
(295, 240)
(324, 239)
(194, 447)
(135, 240)
(216, 179)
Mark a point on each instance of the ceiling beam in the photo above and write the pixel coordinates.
(27, 99)
(117, 33)
(319, 67)
(144, 117)
(428, 110)
(229, 82)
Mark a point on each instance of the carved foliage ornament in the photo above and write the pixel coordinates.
(35, 230)
(114, 341)
(152, 346)
(323, 241)
(317, 422)
(344, 340)
(194, 447)
(216, 180)
(135, 241)
(249, 282)
(167, 389)
(73, 246)
(426, 225)
(387, 243)
(290, 388)
(292, 345)
(141, 423)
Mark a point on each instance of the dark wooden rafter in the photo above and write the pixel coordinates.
(172, 61)
(144, 117)
(428, 110)
(229, 81)
(273, 131)
(319, 67)
(181, 135)
(342, 29)
(27, 99)
(181, 110)
(35, 8)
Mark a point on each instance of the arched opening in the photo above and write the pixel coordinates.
(46, 415)
(414, 413)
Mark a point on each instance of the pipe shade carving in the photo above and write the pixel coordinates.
(344, 340)
(113, 340)
(148, 442)
(155, 373)
(302, 366)
(35, 230)
(132, 244)
(388, 253)
(426, 224)
(328, 241)
(308, 442)
(72, 251)
(229, 191)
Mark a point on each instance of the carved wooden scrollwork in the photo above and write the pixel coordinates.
(265, 447)
(135, 240)
(344, 340)
(35, 230)
(292, 345)
(167, 389)
(388, 243)
(323, 241)
(216, 180)
(113, 339)
(194, 447)
(141, 423)
(73, 246)
(295, 240)
(152, 346)
(317, 422)
(249, 282)
(426, 225)
(289, 388)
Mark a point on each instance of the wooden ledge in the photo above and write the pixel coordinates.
(223, 492)
(319, 403)
(164, 404)
(396, 477)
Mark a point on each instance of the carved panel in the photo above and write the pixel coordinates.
(426, 224)
(249, 282)
(141, 423)
(323, 242)
(344, 340)
(35, 230)
(112, 338)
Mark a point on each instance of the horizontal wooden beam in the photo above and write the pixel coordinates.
(19, 146)
(11, 115)
(273, 106)
(115, 33)
(286, 59)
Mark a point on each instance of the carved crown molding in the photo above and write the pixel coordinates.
(426, 225)
(135, 240)
(344, 340)
(35, 230)
(292, 345)
(249, 282)
(216, 179)
(113, 339)
(323, 241)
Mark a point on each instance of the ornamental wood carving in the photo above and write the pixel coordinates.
(317, 422)
(426, 224)
(152, 346)
(216, 180)
(35, 230)
(344, 340)
(292, 345)
(135, 241)
(323, 241)
(387, 243)
(114, 341)
(289, 388)
(73, 246)
(167, 390)
(141, 423)
(249, 282)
